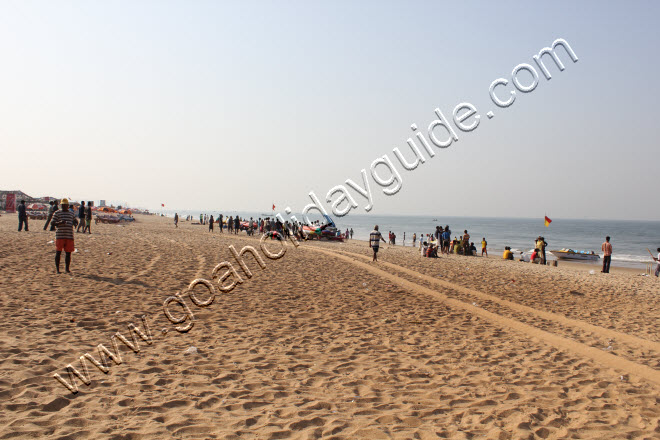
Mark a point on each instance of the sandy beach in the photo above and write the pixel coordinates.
(322, 343)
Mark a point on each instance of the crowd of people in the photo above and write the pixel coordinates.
(272, 226)
(440, 241)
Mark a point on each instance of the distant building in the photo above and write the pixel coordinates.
(20, 195)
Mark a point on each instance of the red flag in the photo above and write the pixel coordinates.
(162, 204)
(273, 207)
(547, 221)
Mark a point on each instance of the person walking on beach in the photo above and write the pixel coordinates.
(220, 222)
(414, 238)
(211, 223)
(607, 255)
(351, 233)
(657, 260)
(484, 243)
(81, 216)
(374, 241)
(176, 219)
(51, 211)
(64, 220)
(237, 224)
(22, 217)
(88, 218)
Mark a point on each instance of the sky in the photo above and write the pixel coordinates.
(242, 105)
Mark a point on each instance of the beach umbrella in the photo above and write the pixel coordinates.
(36, 207)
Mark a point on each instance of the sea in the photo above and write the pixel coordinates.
(630, 238)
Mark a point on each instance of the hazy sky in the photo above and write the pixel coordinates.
(238, 105)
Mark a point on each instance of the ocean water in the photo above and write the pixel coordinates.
(629, 238)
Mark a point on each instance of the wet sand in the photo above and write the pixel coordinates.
(321, 343)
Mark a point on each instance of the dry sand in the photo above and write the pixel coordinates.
(322, 343)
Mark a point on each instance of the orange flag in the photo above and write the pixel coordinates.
(547, 221)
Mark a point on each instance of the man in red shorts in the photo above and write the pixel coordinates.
(64, 220)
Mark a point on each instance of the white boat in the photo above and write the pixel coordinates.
(570, 254)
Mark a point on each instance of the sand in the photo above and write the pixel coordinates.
(321, 343)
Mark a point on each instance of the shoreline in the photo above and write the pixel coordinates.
(574, 265)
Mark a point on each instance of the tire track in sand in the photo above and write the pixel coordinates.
(146, 270)
(560, 342)
(550, 316)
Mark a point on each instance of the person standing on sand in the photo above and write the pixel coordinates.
(351, 233)
(22, 217)
(220, 222)
(237, 224)
(64, 221)
(211, 223)
(374, 241)
(466, 243)
(88, 218)
(51, 211)
(540, 244)
(446, 239)
(176, 219)
(81, 216)
(607, 255)
(657, 260)
(484, 243)
(544, 245)
(414, 238)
